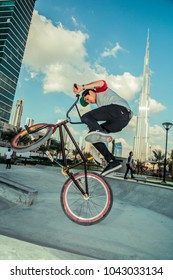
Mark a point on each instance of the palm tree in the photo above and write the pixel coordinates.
(75, 153)
(159, 158)
(55, 146)
(43, 148)
(140, 167)
(171, 162)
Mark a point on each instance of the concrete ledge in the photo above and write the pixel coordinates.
(17, 193)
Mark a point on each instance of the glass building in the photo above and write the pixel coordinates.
(118, 149)
(15, 20)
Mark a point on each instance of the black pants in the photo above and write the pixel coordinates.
(113, 117)
(8, 162)
(127, 170)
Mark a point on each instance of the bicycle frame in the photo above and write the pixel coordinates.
(83, 161)
(86, 197)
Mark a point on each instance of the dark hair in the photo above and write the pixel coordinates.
(84, 93)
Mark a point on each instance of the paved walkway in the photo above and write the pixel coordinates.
(15, 249)
(139, 226)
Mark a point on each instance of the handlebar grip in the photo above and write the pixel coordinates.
(75, 85)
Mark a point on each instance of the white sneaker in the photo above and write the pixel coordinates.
(111, 166)
(98, 136)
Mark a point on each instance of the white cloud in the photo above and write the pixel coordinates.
(156, 106)
(73, 113)
(113, 51)
(126, 85)
(73, 131)
(33, 75)
(156, 135)
(74, 21)
(61, 56)
(58, 110)
(156, 130)
(48, 44)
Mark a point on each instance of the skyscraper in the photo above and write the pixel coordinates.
(118, 149)
(29, 121)
(17, 113)
(15, 20)
(141, 143)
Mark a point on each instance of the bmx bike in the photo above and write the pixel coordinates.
(86, 197)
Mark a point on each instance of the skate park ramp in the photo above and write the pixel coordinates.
(155, 197)
(139, 225)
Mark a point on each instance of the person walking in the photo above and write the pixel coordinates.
(129, 166)
(113, 111)
(8, 156)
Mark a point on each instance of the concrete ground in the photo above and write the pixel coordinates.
(33, 225)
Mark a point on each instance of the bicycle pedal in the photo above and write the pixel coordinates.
(65, 171)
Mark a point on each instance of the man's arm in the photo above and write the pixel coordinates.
(98, 86)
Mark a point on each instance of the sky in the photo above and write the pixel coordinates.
(75, 41)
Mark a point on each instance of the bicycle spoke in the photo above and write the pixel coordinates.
(34, 137)
(83, 209)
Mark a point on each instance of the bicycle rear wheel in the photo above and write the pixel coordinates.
(26, 141)
(82, 209)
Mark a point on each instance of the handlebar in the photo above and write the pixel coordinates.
(74, 105)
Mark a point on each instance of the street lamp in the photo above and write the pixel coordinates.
(167, 126)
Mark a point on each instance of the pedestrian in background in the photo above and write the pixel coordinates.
(8, 157)
(130, 166)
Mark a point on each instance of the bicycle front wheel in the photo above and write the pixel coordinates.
(32, 138)
(83, 209)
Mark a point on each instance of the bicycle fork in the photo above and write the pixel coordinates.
(78, 186)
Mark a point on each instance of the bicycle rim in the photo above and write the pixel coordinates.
(38, 134)
(91, 210)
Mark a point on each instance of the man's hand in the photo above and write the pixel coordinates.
(77, 88)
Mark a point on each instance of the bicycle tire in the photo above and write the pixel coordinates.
(22, 141)
(87, 211)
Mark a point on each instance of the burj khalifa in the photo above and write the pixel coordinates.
(141, 139)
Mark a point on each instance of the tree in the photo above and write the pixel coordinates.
(43, 149)
(87, 154)
(140, 167)
(55, 146)
(170, 160)
(159, 158)
(75, 153)
(10, 134)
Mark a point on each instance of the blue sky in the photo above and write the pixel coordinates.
(82, 41)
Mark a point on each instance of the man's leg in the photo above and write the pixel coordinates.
(101, 147)
(92, 118)
(7, 162)
(131, 172)
(127, 170)
(115, 118)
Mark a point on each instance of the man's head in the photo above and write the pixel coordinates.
(88, 96)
